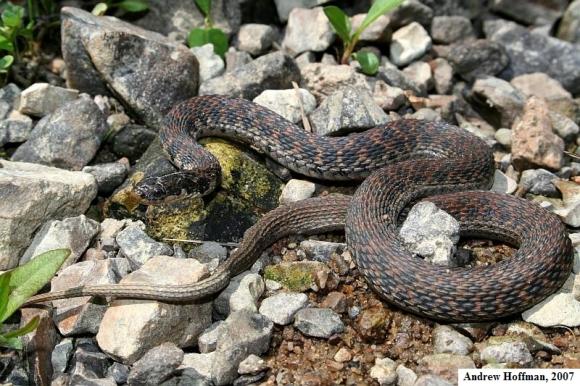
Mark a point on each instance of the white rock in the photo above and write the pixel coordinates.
(287, 104)
(296, 190)
(560, 308)
(384, 371)
(507, 352)
(282, 307)
(255, 38)
(409, 43)
(405, 376)
(307, 30)
(504, 137)
(431, 233)
(132, 327)
(210, 63)
(448, 340)
(503, 183)
(420, 73)
(242, 293)
(41, 99)
(31, 194)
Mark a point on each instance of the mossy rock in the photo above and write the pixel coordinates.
(243, 175)
(296, 276)
(173, 220)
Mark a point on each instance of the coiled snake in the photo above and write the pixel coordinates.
(404, 160)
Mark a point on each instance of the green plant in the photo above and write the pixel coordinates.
(13, 33)
(208, 34)
(19, 284)
(341, 23)
(127, 6)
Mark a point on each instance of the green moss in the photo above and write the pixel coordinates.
(295, 277)
(244, 176)
(173, 219)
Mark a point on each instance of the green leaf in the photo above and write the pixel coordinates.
(339, 21)
(4, 290)
(12, 16)
(29, 278)
(6, 62)
(219, 39)
(368, 61)
(13, 343)
(100, 9)
(30, 326)
(378, 8)
(200, 36)
(6, 44)
(204, 6)
(133, 5)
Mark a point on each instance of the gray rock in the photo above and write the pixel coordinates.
(532, 52)
(68, 138)
(405, 376)
(431, 380)
(138, 247)
(110, 227)
(442, 76)
(271, 71)
(89, 361)
(451, 29)
(569, 28)
(242, 293)
(176, 18)
(431, 233)
(411, 11)
(287, 104)
(156, 365)
(15, 129)
(473, 59)
(61, 354)
(379, 31)
(119, 372)
(9, 98)
(394, 77)
(420, 74)
(132, 327)
(236, 59)
(255, 39)
(324, 79)
(141, 68)
(252, 364)
(541, 85)
(209, 251)
(296, 190)
(132, 141)
(207, 341)
(321, 250)
(244, 333)
(501, 97)
(530, 11)
(79, 315)
(336, 301)
(41, 99)
(566, 128)
(426, 114)
(307, 30)
(348, 109)
(282, 307)
(109, 176)
(284, 7)
(539, 181)
(448, 340)
(74, 233)
(384, 371)
(387, 97)
(210, 64)
(504, 137)
(503, 184)
(318, 322)
(32, 194)
(409, 43)
(507, 352)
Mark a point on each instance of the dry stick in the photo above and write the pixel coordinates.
(305, 121)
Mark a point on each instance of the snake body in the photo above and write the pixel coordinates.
(400, 162)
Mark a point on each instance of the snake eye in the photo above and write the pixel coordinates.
(150, 190)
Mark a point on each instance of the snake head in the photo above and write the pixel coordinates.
(171, 186)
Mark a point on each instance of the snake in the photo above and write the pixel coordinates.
(398, 163)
